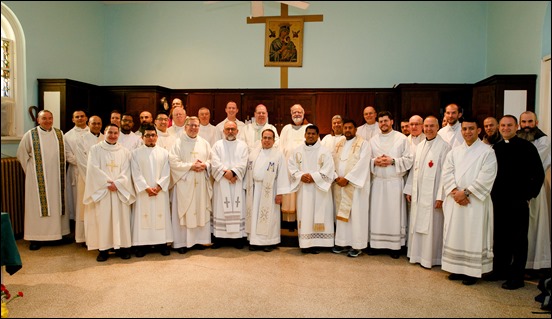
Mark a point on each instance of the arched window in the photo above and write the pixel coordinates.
(13, 92)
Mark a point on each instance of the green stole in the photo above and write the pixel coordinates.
(39, 168)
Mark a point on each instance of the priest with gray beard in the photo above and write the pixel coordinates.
(538, 256)
(228, 165)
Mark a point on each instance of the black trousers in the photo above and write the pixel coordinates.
(511, 224)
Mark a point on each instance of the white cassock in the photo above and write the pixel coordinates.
(220, 129)
(251, 134)
(71, 139)
(266, 177)
(315, 217)
(329, 141)
(107, 213)
(425, 230)
(290, 138)
(208, 132)
(81, 153)
(414, 141)
(45, 219)
(388, 221)
(538, 253)
(165, 139)
(131, 140)
(352, 202)
(229, 199)
(452, 134)
(367, 131)
(468, 230)
(192, 192)
(151, 215)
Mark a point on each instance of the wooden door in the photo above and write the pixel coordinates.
(220, 101)
(328, 105)
(136, 103)
(195, 101)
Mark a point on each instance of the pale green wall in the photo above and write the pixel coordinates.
(359, 44)
(372, 44)
(515, 37)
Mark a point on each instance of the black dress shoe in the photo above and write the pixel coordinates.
(493, 277)
(199, 247)
(372, 252)
(268, 248)
(395, 255)
(164, 250)
(255, 247)
(35, 245)
(468, 281)
(102, 256)
(140, 253)
(124, 253)
(182, 250)
(238, 243)
(305, 250)
(513, 284)
(456, 277)
(314, 251)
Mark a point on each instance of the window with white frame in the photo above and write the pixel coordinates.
(13, 90)
(8, 103)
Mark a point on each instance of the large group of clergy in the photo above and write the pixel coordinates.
(181, 183)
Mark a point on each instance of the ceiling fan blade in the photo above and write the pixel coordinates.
(257, 9)
(298, 4)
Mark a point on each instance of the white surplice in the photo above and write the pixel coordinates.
(468, 230)
(71, 139)
(290, 138)
(388, 220)
(452, 134)
(251, 134)
(367, 131)
(131, 140)
(208, 132)
(165, 139)
(354, 232)
(54, 225)
(192, 193)
(229, 199)
(329, 141)
(151, 215)
(315, 217)
(538, 253)
(425, 231)
(81, 153)
(107, 213)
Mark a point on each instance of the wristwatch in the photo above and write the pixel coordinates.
(393, 162)
(467, 192)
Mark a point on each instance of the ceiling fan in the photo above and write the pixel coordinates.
(257, 9)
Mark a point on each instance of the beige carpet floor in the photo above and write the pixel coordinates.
(66, 281)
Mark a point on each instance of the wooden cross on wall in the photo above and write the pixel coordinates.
(284, 13)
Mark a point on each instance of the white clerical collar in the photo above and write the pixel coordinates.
(44, 129)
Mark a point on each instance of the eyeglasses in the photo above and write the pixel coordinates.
(192, 125)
